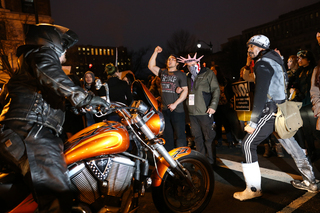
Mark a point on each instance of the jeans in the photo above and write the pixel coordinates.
(299, 157)
(204, 134)
(175, 125)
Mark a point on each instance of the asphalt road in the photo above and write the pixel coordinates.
(278, 194)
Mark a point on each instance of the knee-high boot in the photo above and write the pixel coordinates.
(252, 176)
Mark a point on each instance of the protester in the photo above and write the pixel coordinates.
(202, 102)
(119, 90)
(129, 78)
(89, 86)
(315, 90)
(292, 74)
(155, 89)
(269, 71)
(271, 143)
(225, 115)
(307, 134)
(172, 106)
(33, 115)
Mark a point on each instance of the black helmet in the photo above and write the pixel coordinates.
(54, 36)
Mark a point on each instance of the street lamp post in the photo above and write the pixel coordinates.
(209, 45)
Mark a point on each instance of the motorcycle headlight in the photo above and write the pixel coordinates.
(155, 121)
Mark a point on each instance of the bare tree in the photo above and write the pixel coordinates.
(138, 62)
(182, 42)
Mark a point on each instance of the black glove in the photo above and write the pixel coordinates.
(97, 101)
(93, 102)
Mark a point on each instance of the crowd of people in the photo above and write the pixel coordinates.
(193, 99)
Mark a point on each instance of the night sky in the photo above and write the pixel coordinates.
(141, 23)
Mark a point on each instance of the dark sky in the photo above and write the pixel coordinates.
(141, 23)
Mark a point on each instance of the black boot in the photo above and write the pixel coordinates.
(267, 152)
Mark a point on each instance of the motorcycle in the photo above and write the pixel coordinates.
(109, 164)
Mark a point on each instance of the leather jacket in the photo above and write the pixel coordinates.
(37, 90)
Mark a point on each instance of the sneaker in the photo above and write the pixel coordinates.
(305, 185)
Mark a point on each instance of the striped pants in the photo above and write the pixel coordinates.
(251, 141)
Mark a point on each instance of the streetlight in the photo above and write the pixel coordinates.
(209, 45)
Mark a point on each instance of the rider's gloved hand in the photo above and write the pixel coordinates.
(92, 102)
(97, 101)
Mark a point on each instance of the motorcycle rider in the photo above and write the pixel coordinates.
(33, 115)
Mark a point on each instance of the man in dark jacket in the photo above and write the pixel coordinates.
(33, 115)
(119, 90)
(202, 102)
(270, 80)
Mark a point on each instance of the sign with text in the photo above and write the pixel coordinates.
(241, 91)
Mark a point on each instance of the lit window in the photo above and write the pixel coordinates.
(104, 52)
(92, 51)
(79, 48)
(100, 51)
(88, 49)
(83, 49)
(96, 51)
(111, 51)
(108, 51)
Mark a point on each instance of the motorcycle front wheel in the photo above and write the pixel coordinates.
(175, 194)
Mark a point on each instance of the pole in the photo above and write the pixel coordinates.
(35, 6)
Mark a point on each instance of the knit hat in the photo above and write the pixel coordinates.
(260, 41)
(110, 69)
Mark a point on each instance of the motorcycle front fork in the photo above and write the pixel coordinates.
(175, 167)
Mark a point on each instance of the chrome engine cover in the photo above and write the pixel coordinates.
(112, 174)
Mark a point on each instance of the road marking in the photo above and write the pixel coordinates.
(278, 176)
(265, 173)
(297, 203)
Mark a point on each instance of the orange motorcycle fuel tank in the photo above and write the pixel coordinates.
(102, 138)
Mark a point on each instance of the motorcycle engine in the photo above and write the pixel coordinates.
(110, 175)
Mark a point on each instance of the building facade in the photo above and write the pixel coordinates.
(14, 16)
(289, 33)
(82, 58)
